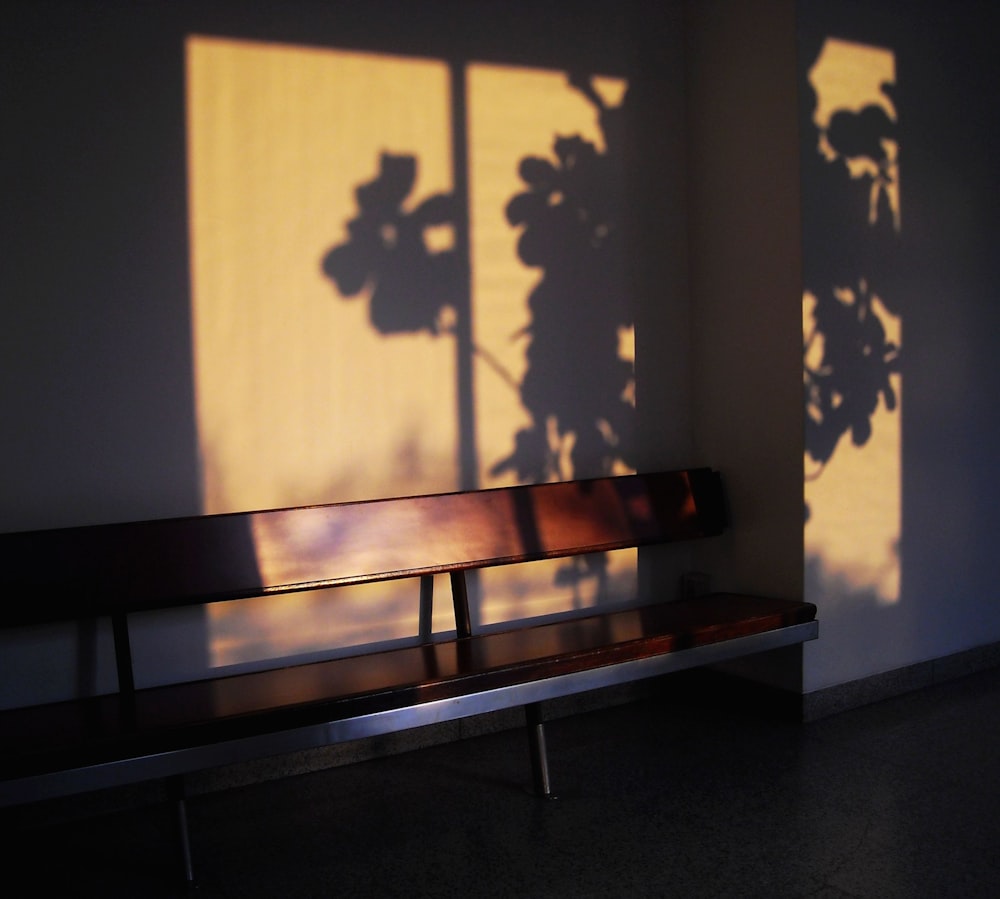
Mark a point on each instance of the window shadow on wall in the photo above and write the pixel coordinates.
(852, 309)
(850, 242)
(577, 387)
(402, 256)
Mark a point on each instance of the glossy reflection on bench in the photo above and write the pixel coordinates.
(184, 561)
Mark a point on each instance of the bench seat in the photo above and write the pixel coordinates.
(84, 744)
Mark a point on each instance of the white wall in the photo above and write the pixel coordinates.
(947, 279)
(96, 376)
(746, 284)
(95, 371)
(744, 124)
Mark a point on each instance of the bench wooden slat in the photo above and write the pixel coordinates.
(173, 717)
(482, 662)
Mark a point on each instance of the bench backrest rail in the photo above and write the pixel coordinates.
(98, 570)
(120, 569)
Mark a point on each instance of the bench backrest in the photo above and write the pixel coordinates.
(116, 569)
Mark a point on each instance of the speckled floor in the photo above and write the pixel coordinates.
(656, 798)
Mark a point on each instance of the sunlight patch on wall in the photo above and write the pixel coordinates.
(849, 78)
(299, 400)
(854, 505)
(324, 306)
(852, 333)
(516, 112)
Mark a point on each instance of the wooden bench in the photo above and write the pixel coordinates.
(119, 570)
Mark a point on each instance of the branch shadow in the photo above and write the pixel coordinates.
(850, 251)
(577, 388)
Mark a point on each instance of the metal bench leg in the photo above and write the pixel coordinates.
(179, 797)
(539, 753)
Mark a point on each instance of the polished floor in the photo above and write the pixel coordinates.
(680, 794)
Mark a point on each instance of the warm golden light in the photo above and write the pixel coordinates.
(300, 399)
(849, 77)
(854, 504)
(853, 499)
(515, 112)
